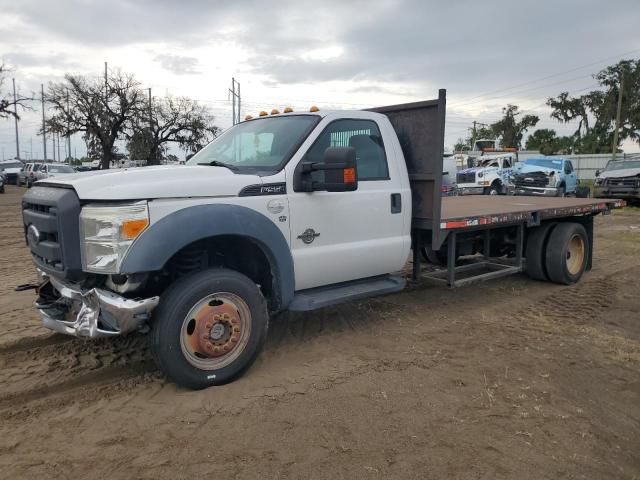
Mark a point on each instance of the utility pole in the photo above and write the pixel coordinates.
(150, 160)
(58, 135)
(474, 132)
(44, 131)
(150, 112)
(15, 118)
(31, 153)
(614, 148)
(235, 97)
(68, 126)
(106, 85)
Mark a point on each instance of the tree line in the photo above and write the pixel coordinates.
(594, 111)
(116, 107)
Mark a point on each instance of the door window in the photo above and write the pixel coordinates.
(364, 136)
(568, 167)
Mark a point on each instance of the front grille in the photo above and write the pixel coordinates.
(466, 177)
(534, 179)
(622, 182)
(50, 217)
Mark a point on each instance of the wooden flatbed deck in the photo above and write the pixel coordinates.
(477, 210)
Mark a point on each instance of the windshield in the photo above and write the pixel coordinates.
(622, 165)
(260, 145)
(60, 169)
(545, 162)
(10, 165)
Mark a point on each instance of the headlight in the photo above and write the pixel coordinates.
(480, 174)
(597, 181)
(107, 232)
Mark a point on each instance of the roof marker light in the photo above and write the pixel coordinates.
(275, 111)
(314, 109)
(287, 110)
(248, 117)
(263, 113)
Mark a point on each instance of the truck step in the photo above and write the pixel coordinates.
(314, 298)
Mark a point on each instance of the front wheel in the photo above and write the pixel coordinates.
(209, 328)
(492, 190)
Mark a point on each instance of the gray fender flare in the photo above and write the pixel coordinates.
(158, 243)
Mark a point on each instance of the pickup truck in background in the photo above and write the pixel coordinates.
(620, 179)
(490, 176)
(11, 170)
(292, 211)
(549, 177)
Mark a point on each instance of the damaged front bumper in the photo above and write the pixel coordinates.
(93, 313)
(540, 191)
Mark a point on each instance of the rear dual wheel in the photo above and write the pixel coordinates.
(557, 252)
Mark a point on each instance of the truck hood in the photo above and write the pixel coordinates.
(11, 170)
(524, 168)
(479, 169)
(625, 172)
(168, 181)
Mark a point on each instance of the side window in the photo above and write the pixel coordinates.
(364, 136)
(507, 162)
(568, 167)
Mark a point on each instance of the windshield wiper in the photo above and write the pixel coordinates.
(216, 163)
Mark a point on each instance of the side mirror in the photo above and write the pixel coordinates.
(598, 173)
(340, 172)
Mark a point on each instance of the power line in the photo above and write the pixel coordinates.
(555, 74)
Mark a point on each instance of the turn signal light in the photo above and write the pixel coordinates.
(314, 109)
(132, 228)
(287, 110)
(263, 113)
(349, 175)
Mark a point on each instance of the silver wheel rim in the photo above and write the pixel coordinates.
(216, 331)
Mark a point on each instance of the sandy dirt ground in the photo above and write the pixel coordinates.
(507, 379)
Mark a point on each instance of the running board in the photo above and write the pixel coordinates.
(315, 298)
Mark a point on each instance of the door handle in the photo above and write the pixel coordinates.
(396, 203)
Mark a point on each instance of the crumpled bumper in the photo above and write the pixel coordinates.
(541, 191)
(93, 313)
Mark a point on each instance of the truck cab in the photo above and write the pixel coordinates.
(489, 176)
(275, 207)
(545, 176)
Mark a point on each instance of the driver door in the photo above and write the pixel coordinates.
(342, 236)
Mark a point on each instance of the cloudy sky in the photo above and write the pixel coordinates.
(335, 54)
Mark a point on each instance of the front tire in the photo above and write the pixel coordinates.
(209, 328)
(493, 190)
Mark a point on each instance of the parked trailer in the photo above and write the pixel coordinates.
(282, 212)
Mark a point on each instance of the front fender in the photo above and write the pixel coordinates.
(158, 243)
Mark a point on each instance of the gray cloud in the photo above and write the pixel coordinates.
(406, 47)
(178, 64)
(466, 46)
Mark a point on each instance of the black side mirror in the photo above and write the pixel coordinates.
(598, 173)
(340, 172)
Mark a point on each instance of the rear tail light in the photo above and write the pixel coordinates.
(444, 188)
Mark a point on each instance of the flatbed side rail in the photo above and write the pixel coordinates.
(531, 218)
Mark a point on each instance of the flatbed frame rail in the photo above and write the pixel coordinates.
(519, 212)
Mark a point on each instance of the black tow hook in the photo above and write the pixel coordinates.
(27, 286)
